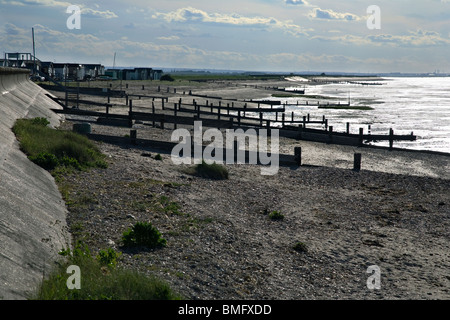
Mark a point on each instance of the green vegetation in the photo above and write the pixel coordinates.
(167, 77)
(167, 206)
(224, 76)
(100, 280)
(108, 257)
(143, 234)
(158, 157)
(276, 215)
(56, 150)
(210, 171)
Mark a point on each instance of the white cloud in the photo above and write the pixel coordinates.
(97, 13)
(419, 38)
(193, 15)
(62, 4)
(296, 2)
(170, 38)
(318, 13)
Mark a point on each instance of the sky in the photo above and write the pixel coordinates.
(253, 35)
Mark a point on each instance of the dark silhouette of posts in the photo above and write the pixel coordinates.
(133, 136)
(130, 114)
(298, 155)
(391, 138)
(361, 136)
(175, 115)
(357, 162)
(107, 109)
(154, 115)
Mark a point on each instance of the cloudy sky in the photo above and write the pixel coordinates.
(254, 35)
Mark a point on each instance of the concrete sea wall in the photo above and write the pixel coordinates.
(32, 212)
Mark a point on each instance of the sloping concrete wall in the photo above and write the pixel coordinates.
(32, 213)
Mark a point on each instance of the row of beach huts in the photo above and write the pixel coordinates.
(76, 71)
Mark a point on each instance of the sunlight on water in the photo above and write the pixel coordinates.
(419, 105)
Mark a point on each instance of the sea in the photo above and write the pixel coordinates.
(405, 104)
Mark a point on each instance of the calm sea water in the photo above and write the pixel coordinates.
(418, 105)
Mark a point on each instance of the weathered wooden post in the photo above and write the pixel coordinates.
(130, 114)
(348, 127)
(361, 136)
(357, 162)
(304, 122)
(282, 120)
(107, 109)
(236, 149)
(133, 136)
(153, 114)
(298, 156)
(143, 87)
(260, 119)
(162, 103)
(391, 138)
(330, 134)
(175, 116)
(239, 118)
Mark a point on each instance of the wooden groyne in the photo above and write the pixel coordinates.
(223, 113)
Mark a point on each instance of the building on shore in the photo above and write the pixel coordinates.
(77, 72)
(134, 74)
(20, 60)
(58, 71)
